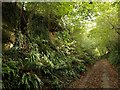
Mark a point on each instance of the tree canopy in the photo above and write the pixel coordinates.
(48, 44)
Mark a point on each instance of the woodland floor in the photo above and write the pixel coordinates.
(101, 75)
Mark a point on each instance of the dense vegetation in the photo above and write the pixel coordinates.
(48, 44)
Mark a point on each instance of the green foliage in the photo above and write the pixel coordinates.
(31, 81)
(58, 41)
(114, 58)
(10, 75)
(114, 55)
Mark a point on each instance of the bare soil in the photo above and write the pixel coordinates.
(101, 75)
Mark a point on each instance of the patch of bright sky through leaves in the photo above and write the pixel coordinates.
(59, 0)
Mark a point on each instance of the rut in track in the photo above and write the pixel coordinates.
(101, 75)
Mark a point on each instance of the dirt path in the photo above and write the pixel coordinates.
(101, 75)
